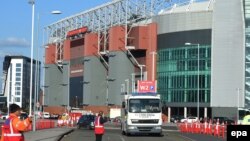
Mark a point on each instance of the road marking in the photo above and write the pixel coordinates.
(187, 138)
(122, 138)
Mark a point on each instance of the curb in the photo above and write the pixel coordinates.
(64, 134)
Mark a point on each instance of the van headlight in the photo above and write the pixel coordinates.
(132, 127)
(158, 127)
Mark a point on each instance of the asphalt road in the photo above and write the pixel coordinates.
(115, 135)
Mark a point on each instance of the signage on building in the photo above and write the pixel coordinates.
(146, 87)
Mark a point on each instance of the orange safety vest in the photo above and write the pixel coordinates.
(99, 128)
(10, 133)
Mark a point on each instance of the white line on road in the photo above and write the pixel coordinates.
(122, 138)
(187, 138)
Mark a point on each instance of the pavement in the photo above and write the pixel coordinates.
(52, 134)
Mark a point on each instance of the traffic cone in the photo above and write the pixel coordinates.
(210, 127)
(205, 130)
(216, 129)
(198, 128)
(223, 130)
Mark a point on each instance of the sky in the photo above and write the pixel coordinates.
(16, 19)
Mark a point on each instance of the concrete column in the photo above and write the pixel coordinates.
(185, 112)
(169, 114)
(205, 112)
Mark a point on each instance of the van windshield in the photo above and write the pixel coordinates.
(144, 106)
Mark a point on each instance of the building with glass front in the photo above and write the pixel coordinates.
(16, 80)
(203, 61)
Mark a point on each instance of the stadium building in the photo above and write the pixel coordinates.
(197, 50)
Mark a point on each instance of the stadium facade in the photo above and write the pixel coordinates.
(202, 56)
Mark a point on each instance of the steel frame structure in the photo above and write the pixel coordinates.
(101, 18)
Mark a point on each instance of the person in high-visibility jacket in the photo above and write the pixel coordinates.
(99, 127)
(13, 127)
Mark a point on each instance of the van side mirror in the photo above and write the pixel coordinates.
(123, 104)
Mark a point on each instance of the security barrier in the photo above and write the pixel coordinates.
(43, 124)
(217, 129)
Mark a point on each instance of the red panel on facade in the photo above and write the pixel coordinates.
(66, 50)
(76, 48)
(116, 38)
(50, 54)
(91, 44)
(150, 54)
(77, 31)
(138, 37)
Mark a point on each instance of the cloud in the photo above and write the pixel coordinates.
(14, 42)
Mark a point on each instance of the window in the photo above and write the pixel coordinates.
(18, 93)
(18, 65)
(18, 79)
(18, 69)
(177, 70)
(17, 99)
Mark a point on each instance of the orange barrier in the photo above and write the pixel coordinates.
(203, 128)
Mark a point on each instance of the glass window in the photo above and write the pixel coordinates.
(18, 74)
(18, 88)
(18, 79)
(144, 105)
(17, 99)
(18, 93)
(18, 64)
(18, 69)
(177, 73)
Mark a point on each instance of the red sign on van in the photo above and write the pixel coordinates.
(146, 87)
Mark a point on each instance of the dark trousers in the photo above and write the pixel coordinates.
(98, 137)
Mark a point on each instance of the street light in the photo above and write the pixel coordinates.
(36, 67)
(198, 77)
(140, 66)
(32, 2)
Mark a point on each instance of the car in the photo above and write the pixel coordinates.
(246, 120)
(224, 120)
(4, 116)
(23, 116)
(46, 115)
(116, 119)
(190, 119)
(86, 121)
(176, 118)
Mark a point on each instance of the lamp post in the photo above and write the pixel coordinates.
(32, 2)
(198, 77)
(36, 67)
(141, 66)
